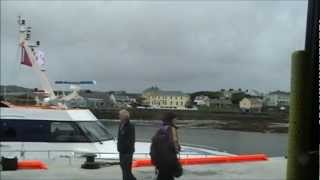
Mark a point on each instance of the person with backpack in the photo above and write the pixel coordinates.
(125, 144)
(165, 148)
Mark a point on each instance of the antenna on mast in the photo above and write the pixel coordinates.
(21, 21)
(29, 56)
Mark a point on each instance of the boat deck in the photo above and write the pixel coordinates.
(61, 169)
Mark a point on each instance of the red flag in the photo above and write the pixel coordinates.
(25, 59)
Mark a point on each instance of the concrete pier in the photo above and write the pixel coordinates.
(274, 168)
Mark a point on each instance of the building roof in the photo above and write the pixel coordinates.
(164, 93)
(152, 88)
(95, 99)
(279, 93)
(201, 97)
(121, 97)
(171, 93)
(254, 100)
(91, 95)
(133, 95)
(94, 94)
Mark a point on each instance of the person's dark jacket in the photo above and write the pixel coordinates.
(126, 138)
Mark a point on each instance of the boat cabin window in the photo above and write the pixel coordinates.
(52, 131)
(95, 131)
(66, 132)
(24, 130)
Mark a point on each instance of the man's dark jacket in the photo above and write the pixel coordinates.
(126, 138)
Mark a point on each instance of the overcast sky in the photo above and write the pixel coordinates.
(179, 45)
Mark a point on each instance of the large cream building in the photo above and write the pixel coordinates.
(157, 98)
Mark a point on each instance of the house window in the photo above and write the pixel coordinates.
(177, 103)
(181, 103)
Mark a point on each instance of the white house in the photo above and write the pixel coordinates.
(277, 99)
(202, 100)
(120, 99)
(228, 93)
(96, 100)
(251, 104)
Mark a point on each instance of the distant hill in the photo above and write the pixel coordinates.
(13, 88)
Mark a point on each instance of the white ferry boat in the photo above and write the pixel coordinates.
(52, 130)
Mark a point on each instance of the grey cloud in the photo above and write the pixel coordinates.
(177, 45)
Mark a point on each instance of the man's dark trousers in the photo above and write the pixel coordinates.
(165, 175)
(126, 165)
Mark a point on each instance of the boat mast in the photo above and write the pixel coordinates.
(25, 36)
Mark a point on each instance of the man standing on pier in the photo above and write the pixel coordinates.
(125, 144)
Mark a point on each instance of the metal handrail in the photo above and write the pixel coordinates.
(75, 153)
(187, 144)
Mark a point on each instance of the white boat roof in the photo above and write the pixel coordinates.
(47, 114)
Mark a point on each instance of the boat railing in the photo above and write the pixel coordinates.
(183, 144)
(78, 154)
